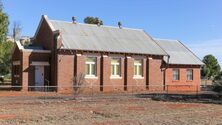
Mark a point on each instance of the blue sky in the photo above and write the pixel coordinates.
(197, 23)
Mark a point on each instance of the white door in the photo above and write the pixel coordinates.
(39, 78)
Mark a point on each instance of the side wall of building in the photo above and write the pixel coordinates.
(183, 85)
(70, 66)
(156, 74)
(65, 73)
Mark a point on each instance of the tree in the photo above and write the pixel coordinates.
(93, 20)
(16, 31)
(219, 76)
(5, 54)
(3, 24)
(211, 69)
(5, 47)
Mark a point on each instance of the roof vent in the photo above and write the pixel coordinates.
(120, 25)
(74, 20)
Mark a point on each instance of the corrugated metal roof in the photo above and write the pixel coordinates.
(106, 38)
(179, 54)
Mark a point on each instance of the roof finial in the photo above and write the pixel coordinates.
(74, 19)
(120, 25)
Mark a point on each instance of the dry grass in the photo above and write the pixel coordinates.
(29, 108)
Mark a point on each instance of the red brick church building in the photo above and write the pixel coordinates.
(111, 59)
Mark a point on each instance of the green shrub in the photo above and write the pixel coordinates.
(217, 87)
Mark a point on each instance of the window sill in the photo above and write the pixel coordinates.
(189, 80)
(91, 77)
(175, 80)
(138, 77)
(115, 77)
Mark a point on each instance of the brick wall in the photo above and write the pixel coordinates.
(135, 84)
(112, 84)
(90, 84)
(65, 73)
(25, 71)
(183, 84)
(16, 56)
(155, 74)
(44, 37)
(70, 65)
(108, 83)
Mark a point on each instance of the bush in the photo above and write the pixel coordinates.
(5, 57)
(78, 81)
(217, 87)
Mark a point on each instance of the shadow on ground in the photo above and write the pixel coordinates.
(213, 98)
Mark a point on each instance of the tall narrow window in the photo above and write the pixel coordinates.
(115, 67)
(189, 74)
(16, 70)
(90, 67)
(138, 71)
(176, 74)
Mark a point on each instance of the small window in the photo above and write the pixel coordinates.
(115, 67)
(138, 71)
(189, 74)
(176, 74)
(90, 67)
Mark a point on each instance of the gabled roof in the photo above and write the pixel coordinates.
(89, 37)
(179, 54)
(105, 38)
(36, 49)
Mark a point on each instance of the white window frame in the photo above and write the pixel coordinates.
(188, 74)
(137, 75)
(176, 74)
(91, 75)
(115, 75)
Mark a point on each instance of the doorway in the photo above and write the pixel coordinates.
(39, 78)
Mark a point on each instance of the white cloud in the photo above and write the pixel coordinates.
(203, 48)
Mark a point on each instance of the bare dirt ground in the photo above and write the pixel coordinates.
(54, 109)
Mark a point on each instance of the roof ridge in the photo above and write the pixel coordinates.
(175, 40)
(106, 26)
